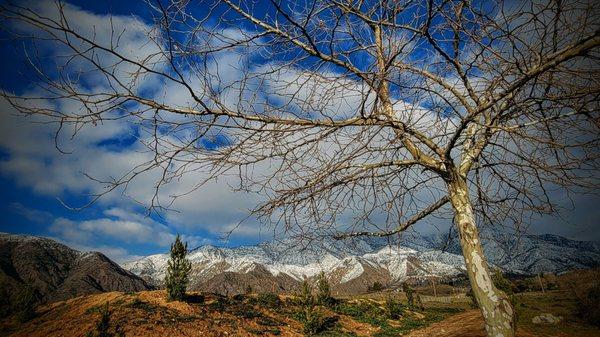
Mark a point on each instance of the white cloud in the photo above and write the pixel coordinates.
(117, 254)
(119, 225)
(214, 207)
(128, 35)
(34, 162)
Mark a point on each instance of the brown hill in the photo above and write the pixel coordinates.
(147, 313)
(56, 272)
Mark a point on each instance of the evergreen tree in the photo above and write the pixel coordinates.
(178, 271)
(323, 290)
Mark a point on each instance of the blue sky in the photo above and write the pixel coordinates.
(37, 180)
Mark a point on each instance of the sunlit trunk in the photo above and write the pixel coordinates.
(494, 304)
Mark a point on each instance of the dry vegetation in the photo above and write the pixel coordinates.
(149, 314)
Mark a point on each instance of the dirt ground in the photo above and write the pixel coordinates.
(149, 314)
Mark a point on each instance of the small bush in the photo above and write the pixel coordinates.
(313, 321)
(375, 287)
(366, 312)
(306, 297)
(409, 292)
(393, 308)
(502, 283)
(245, 311)
(137, 303)
(103, 325)
(323, 290)
(587, 305)
(220, 304)
(194, 298)
(269, 300)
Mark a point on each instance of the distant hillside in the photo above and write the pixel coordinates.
(522, 254)
(56, 272)
(355, 265)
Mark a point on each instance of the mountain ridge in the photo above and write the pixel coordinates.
(57, 272)
(353, 266)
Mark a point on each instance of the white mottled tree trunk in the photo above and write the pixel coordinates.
(494, 304)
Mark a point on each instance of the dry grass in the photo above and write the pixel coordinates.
(149, 314)
(144, 314)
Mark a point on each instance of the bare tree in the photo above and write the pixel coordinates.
(351, 118)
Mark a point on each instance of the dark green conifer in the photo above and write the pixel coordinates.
(178, 271)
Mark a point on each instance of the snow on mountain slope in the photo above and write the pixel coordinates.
(521, 254)
(285, 258)
(410, 257)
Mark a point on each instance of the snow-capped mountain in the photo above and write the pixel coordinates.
(354, 265)
(523, 254)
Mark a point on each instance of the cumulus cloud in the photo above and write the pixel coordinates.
(121, 225)
(34, 161)
(117, 254)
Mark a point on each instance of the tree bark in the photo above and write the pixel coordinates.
(494, 304)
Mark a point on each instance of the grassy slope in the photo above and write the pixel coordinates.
(148, 314)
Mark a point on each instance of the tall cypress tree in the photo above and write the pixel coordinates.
(178, 271)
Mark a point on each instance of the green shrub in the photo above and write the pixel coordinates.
(246, 311)
(588, 307)
(103, 325)
(393, 308)
(323, 290)
(313, 321)
(220, 304)
(409, 292)
(366, 312)
(419, 303)
(375, 287)
(306, 297)
(178, 271)
(269, 300)
(502, 283)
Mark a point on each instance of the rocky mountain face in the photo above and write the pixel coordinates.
(56, 272)
(352, 266)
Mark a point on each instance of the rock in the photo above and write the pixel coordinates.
(546, 318)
